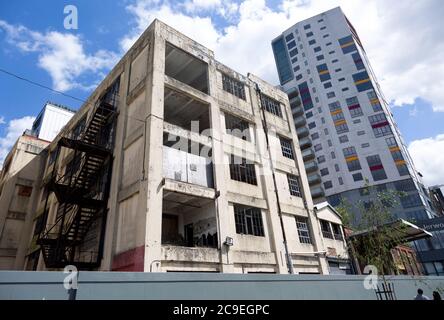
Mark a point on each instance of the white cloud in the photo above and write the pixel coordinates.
(198, 5)
(62, 55)
(144, 13)
(428, 157)
(402, 39)
(2, 120)
(15, 129)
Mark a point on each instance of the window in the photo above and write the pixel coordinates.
(391, 142)
(329, 143)
(362, 81)
(307, 26)
(242, 171)
(341, 181)
(374, 101)
(330, 95)
(303, 232)
(297, 68)
(321, 159)
(316, 49)
(237, 127)
(331, 52)
(357, 121)
(343, 139)
(323, 72)
(360, 133)
(357, 176)
(248, 220)
(289, 37)
(345, 89)
(233, 86)
(271, 105)
(293, 53)
(323, 28)
(338, 70)
(347, 44)
(354, 107)
(309, 114)
(334, 60)
(327, 85)
(328, 184)
(333, 155)
(337, 233)
(298, 77)
(305, 96)
(325, 35)
(351, 157)
(294, 60)
(376, 168)
(326, 131)
(287, 148)
(315, 136)
(342, 128)
(402, 169)
(293, 185)
(411, 200)
(380, 125)
(336, 167)
(334, 106)
(405, 185)
(365, 145)
(341, 79)
(291, 45)
(312, 125)
(358, 61)
(325, 227)
(324, 172)
(320, 57)
(311, 42)
(309, 34)
(318, 147)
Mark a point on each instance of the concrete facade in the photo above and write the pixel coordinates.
(19, 190)
(177, 196)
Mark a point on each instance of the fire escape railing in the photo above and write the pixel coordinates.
(76, 235)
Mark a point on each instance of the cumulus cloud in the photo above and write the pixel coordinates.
(62, 55)
(403, 39)
(15, 129)
(428, 157)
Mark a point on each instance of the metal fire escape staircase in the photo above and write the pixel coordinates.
(76, 236)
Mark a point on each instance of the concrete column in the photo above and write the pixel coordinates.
(220, 180)
(153, 135)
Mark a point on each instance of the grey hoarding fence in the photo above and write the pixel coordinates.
(186, 286)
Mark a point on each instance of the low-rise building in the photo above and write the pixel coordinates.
(177, 163)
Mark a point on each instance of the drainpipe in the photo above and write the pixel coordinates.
(287, 253)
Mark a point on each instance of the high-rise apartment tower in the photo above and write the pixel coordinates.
(346, 130)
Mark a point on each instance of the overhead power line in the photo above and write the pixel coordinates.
(40, 85)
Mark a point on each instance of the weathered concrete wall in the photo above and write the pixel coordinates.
(195, 286)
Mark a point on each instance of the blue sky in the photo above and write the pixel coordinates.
(35, 44)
